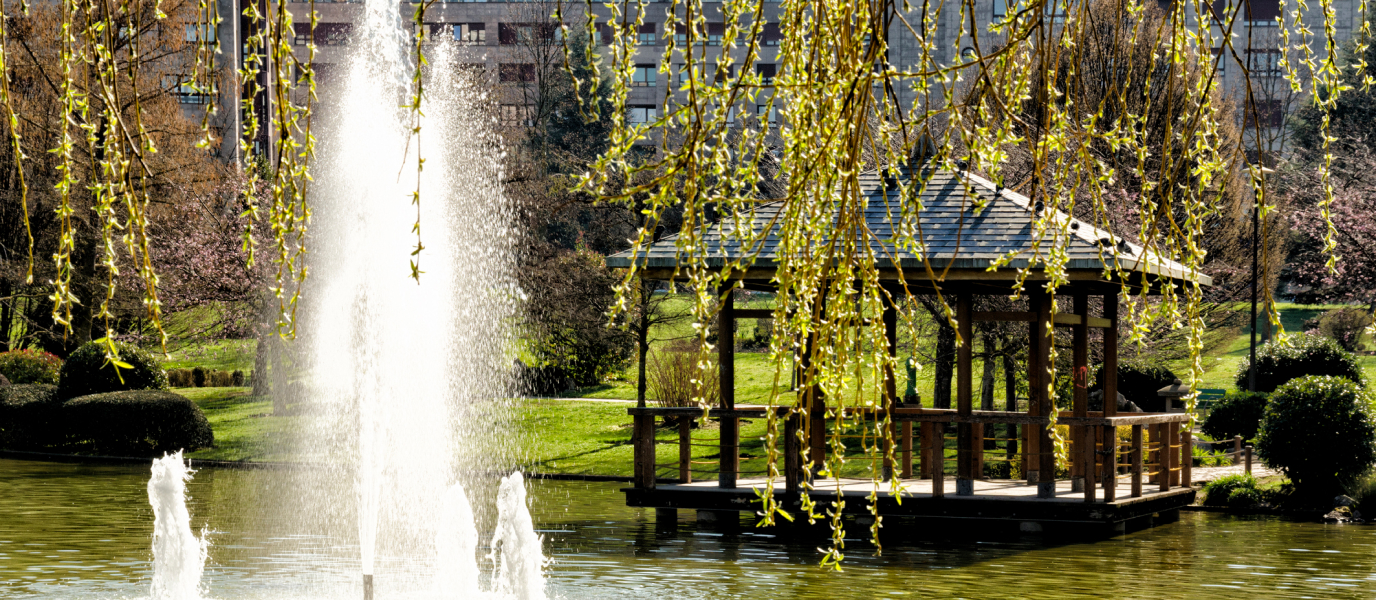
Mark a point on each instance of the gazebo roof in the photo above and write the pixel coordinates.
(955, 237)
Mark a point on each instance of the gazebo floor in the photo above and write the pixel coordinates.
(997, 499)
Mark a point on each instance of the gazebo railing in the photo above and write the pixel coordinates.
(1157, 452)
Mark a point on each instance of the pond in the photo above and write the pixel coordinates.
(83, 531)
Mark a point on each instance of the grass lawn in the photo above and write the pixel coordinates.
(244, 426)
(222, 355)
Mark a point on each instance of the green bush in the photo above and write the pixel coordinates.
(136, 423)
(1218, 491)
(1298, 356)
(29, 366)
(1244, 498)
(1238, 413)
(1138, 380)
(1345, 326)
(199, 376)
(30, 415)
(86, 371)
(237, 378)
(180, 378)
(1318, 431)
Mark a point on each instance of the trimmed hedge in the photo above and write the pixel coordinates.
(1319, 431)
(86, 371)
(137, 423)
(1138, 380)
(30, 366)
(1302, 355)
(1238, 413)
(30, 416)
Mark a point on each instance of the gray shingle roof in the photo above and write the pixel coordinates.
(953, 234)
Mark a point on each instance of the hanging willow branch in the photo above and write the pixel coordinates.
(1158, 127)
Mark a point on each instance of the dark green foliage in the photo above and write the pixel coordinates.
(237, 378)
(199, 376)
(1244, 498)
(1301, 355)
(86, 371)
(566, 319)
(136, 423)
(1318, 430)
(30, 414)
(1238, 413)
(180, 378)
(29, 366)
(1138, 380)
(1218, 491)
(1344, 326)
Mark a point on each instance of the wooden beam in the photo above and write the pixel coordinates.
(793, 453)
(964, 396)
(1136, 461)
(685, 450)
(890, 319)
(1076, 319)
(1046, 470)
(1083, 467)
(1110, 388)
(729, 439)
(1031, 439)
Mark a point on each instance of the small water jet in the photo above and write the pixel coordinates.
(178, 553)
(521, 566)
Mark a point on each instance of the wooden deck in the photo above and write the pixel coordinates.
(995, 500)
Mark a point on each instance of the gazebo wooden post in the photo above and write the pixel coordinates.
(726, 366)
(1030, 439)
(891, 383)
(965, 443)
(1110, 387)
(816, 402)
(793, 456)
(1080, 397)
(1046, 455)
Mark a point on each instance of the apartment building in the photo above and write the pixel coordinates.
(512, 43)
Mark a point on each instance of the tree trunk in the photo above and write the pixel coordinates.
(945, 363)
(986, 382)
(6, 314)
(84, 286)
(1010, 400)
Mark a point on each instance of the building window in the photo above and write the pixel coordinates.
(1262, 13)
(525, 33)
(470, 34)
(647, 35)
(680, 75)
(773, 36)
(641, 114)
(200, 33)
(724, 75)
(715, 31)
(303, 34)
(184, 88)
(517, 115)
(643, 76)
(761, 110)
(1056, 10)
(1000, 10)
(766, 71)
(680, 34)
(332, 34)
(1264, 63)
(516, 72)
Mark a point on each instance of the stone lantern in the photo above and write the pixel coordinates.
(1173, 393)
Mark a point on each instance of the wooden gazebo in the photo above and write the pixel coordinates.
(1106, 476)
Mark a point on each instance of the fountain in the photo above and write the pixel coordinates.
(178, 553)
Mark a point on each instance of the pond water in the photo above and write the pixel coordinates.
(83, 531)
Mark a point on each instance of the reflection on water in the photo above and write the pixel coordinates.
(82, 531)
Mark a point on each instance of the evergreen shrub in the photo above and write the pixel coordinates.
(1218, 491)
(1238, 413)
(237, 378)
(199, 376)
(86, 371)
(180, 378)
(1299, 356)
(30, 416)
(29, 366)
(136, 423)
(1138, 380)
(1318, 430)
